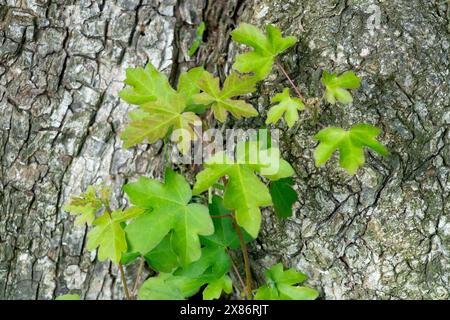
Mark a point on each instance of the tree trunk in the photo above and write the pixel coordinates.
(384, 233)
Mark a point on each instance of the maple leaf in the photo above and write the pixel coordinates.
(350, 144)
(287, 106)
(168, 209)
(220, 100)
(266, 48)
(164, 287)
(144, 85)
(87, 204)
(188, 83)
(165, 109)
(186, 281)
(214, 289)
(336, 86)
(280, 285)
(163, 258)
(109, 236)
(244, 192)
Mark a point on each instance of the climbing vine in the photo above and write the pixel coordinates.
(185, 233)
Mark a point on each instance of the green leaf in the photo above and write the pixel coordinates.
(185, 282)
(336, 86)
(266, 48)
(129, 257)
(163, 287)
(287, 106)
(283, 196)
(215, 288)
(108, 236)
(69, 297)
(86, 205)
(220, 100)
(350, 145)
(281, 286)
(244, 192)
(198, 39)
(163, 258)
(164, 111)
(144, 85)
(188, 83)
(170, 211)
(213, 264)
(224, 233)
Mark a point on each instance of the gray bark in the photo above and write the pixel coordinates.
(384, 233)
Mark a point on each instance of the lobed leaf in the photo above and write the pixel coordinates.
(281, 285)
(336, 86)
(168, 209)
(287, 106)
(86, 205)
(221, 99)
(265, 48)
(165, 110)
(350, 144)
(108, 236)
(244, 192)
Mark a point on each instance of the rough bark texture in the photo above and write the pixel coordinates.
(384, 233)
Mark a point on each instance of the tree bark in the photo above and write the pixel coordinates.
(384, 233)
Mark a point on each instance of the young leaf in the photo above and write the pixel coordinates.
(350, 145)
(266, 48)
(85, 206)
(153, 120)
(168, 209)
(336, 86)
(198, 39)
(244, 192)
(287, 106)
(68, 297)
(214, 289)
(144, 85)
(281, 286)
(220, 100)
(165, 110)
(283, 197)
(108, 236)
(188, 83)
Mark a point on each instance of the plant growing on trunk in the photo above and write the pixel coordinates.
(184, 236)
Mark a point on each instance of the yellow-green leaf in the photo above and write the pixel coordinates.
(87, 204)
(108, 236)
(350, 144)
(221, 99)
(244, 193)
(336, 86)
(283, 285)
(287, 106)
(265, 48)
